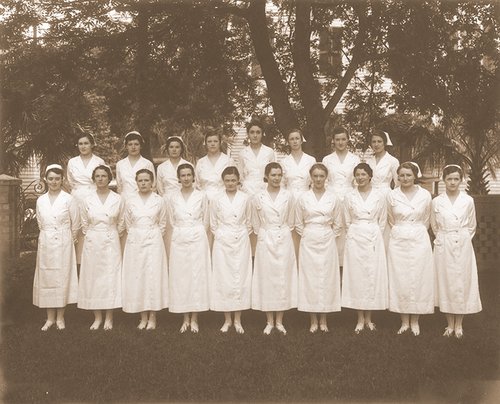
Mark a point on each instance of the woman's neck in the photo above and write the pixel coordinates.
(365, 188)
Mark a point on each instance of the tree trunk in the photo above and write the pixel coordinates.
(283, 113)
(308, 87)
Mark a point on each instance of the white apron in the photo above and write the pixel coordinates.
(100, 283)
(318, 222)
(144, 270)
(189, 260)
(364, 278)
(231, 256)
(409, 254)
(275, 277)
(454, 225)
(56, 283)
(125, 175)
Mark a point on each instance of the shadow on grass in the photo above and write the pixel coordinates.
(130, 365)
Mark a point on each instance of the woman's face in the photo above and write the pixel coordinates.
(406, 177)
(362, 177)
(85, 146)
(295, 141)
(133, 147)
(101, 178)
(144, 183)
(213, 144)
(318, 178)
(377, 144)
(255, 135)
(340, 141)
(186, 177)
(174, 150)
(274, 177)
(54, 181)
(231, 182)
(452, 182)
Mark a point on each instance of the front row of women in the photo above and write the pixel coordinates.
(408, 279)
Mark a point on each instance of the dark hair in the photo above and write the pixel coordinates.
(379, 133)
(294, 130)
(89, 136)
(229, 171)
(55, 170)
(363, 166)
(145, 171)
(105, 168)
(210, 131)
(256, 122)
(269, 167)
(134, 135)
(318, 166)
(184, 166)
(175, 139)
(450, 169)
(338, 130)
(411, 167)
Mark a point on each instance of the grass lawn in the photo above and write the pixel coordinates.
(162, 365)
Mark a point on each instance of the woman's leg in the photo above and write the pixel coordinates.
(459, 332)
(415, 328)
(185, 323)
(237, 322)
(405, 323)
(314, 322)
(151, 321)
(97, 320)
(194, 323)
(51, 319)
(269, 322)
(227, 322)
(108, 322)
(144, 320)
(361, 322)
(61, 325)
(323, 325)
(279, 322)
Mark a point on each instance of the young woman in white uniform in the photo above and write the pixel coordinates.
(409, 253)
(99, 286)
(168, 182)
(56, 283)
(230, 222)
(79, 170)
(209, 168)
(340, 164)
(189, 260)
(274, 282)
(453, 221)
(318, 221)
(144, 271)
(127, 168)
(364, 278)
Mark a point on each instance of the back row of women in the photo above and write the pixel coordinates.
(300, 219)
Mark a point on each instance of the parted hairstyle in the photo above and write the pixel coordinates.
(182, 167)
(105, 168)
(338, 130)
(89, 136)
(318, 166)
(145, 171)
(363, 166)
(229, 171)
(269, 167)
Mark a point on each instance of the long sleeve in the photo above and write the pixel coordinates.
(471, 219)
(382, 219)
(205, 213)
(427, 212)
(394, 172)
(255, 220)
(70, 176)
(74, 213)
(346, 208)
(390, 213)
(299, 217)
(249, 215)
(119, 181)
(84, 217)
(38, 215)
(163, 217)
(433, 217)
(121, 226)
(290, 214)
(337, 218)
(214, 223)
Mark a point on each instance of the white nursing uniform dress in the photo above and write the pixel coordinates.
(81, 183)
(190, 263)
(56, 282)
(409, 254)
(364, 278)
(318, 222)
(341, 181)
(167, 181)
(275, 277)
(100, 283)
(208, 175)
(125, 175)
(144, 270)
(296, 178)
(454, 225)
(231, 255)
(251, 167)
